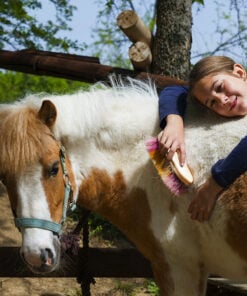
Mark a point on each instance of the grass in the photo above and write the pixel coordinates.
(74, 292)
(124, 289)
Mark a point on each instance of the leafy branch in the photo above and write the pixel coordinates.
(19, 28)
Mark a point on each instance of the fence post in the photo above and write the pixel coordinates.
(84, 277)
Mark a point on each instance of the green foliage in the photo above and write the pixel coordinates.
(111, 44)
(230, 31)
(16, 85)
(103, 228)
(152, 288)
(198, 1)
(19, 27)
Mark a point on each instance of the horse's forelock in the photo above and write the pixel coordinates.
(22, 138)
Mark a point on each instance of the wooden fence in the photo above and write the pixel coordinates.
(86, 265)
(80, 68)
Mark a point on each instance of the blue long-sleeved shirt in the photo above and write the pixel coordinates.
(172, 100)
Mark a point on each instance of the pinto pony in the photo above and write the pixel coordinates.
(89, 148)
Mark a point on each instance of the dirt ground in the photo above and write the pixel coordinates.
(9, 236)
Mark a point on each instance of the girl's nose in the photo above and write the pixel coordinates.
(223, 99)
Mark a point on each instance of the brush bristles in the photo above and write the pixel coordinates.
(174, 184)
(164, 168)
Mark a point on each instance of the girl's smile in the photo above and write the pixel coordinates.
(234, 103)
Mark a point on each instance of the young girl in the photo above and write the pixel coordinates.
(220, 84)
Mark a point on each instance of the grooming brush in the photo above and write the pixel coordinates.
(177, 178)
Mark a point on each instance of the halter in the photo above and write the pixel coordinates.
(68, 204)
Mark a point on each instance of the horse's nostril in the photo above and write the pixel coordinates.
(47, 256)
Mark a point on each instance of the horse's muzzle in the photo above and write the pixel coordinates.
(46, 264)
(43, 259)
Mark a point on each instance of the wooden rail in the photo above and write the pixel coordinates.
(98, 262)
(73, 67)
(105, 262)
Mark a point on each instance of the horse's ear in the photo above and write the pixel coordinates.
(48, 113)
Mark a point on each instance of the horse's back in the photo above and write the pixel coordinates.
(209, 137)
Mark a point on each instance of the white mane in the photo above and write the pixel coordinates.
(123, 112)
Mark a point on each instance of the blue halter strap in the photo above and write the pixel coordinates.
(68, 205)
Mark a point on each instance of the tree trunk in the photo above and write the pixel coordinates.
(172, 41)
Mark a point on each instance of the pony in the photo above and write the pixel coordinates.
(88, 148)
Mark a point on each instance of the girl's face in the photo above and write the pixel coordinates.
(224, 93)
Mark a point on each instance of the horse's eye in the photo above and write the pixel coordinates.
(54, 169)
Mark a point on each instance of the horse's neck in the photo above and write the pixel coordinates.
(107, 116)
(106, 133)
(77, 117)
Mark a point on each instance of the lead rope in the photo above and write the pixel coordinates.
(69, 241)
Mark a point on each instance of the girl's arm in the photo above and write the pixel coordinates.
(227, 170)
(172, 105)
(172, 100)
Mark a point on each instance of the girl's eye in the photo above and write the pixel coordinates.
(53, 171)
(219, 88)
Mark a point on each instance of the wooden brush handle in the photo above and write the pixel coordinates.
(182, 172)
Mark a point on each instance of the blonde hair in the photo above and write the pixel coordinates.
(23, 139)
(209, 65)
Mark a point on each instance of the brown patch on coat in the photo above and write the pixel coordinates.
(234, 201)
(245, 270)
(202, 279)
(130, 212)
(173, 207)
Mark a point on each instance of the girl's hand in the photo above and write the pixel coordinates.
(203, 203)
(171, 138)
